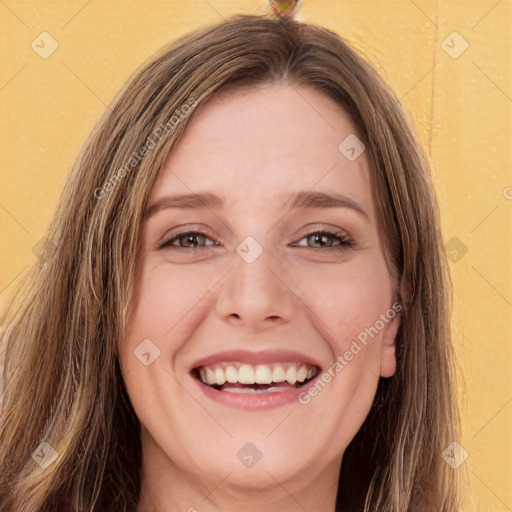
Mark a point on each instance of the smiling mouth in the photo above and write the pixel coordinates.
(237, 377)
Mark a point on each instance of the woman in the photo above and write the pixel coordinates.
(246, 300)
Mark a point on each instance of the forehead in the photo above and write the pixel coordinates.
(256, 145)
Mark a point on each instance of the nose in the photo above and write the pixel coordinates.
(257, 295)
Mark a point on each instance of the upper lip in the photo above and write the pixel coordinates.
(261, 357)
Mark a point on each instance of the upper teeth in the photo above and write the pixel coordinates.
(255, 374)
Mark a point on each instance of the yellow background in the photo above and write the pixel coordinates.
(461, 109)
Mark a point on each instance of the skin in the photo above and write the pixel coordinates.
(255, 147)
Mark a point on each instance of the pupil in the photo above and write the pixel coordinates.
(192, 239)
(318, 240)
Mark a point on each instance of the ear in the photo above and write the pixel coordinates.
(387, 355)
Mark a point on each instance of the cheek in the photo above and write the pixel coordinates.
(158, 307)
(349, 297)
(164, 316)
(164, 299)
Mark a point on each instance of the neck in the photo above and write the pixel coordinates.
(165, 487)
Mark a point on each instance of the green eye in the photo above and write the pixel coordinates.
(320, 240)
(190, 239)
(327, 239)
(316, 240)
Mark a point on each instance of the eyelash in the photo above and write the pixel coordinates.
(344, 241)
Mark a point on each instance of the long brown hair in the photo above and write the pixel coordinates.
(62, 382)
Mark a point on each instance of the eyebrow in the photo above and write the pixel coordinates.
(186, 201)
(297, 200)
(310, 199)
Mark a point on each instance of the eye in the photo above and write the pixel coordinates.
(188, 240)
(324, 239)
(320, 239)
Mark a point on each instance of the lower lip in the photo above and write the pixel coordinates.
(255, 401)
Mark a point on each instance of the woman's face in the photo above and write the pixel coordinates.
(262, 297)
